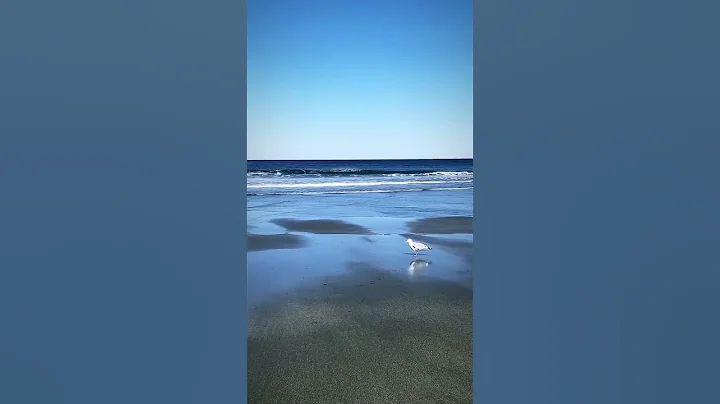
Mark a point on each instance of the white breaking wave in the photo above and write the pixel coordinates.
(397, 174)
(436, 173)
(449, 188)
(451, 173)
(349, 184)
(364, 191)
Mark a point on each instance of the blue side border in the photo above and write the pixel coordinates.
(596, 139)
(122, 202)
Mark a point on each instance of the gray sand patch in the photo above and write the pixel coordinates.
(264, 242)
(321, 226)
(442, 225)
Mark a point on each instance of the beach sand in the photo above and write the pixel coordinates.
(321, 226)
(264, 242)
(344, 314)
(442, 225)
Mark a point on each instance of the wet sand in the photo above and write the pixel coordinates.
(363, 320)
(368, 337)
(264, 242)
(442, 225)
(321, 226)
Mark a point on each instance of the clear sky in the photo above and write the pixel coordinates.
(359, 79)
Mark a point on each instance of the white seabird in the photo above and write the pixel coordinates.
(416, 247)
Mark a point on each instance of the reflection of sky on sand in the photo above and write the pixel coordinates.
(417, 265)
(387, 216)
(277, 271)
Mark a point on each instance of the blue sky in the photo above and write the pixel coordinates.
(359, 79)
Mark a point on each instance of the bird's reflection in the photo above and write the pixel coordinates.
(417, 265)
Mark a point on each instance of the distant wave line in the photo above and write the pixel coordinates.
(351, 184)
(365, 191)
(354, 172)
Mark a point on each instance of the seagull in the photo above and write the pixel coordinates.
(415, 246)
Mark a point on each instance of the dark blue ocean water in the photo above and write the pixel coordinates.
(357, 176)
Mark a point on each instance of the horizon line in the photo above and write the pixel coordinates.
(455, 158)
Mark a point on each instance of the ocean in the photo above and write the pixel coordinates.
(361, 176)
(383, 194)
(362, 189)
